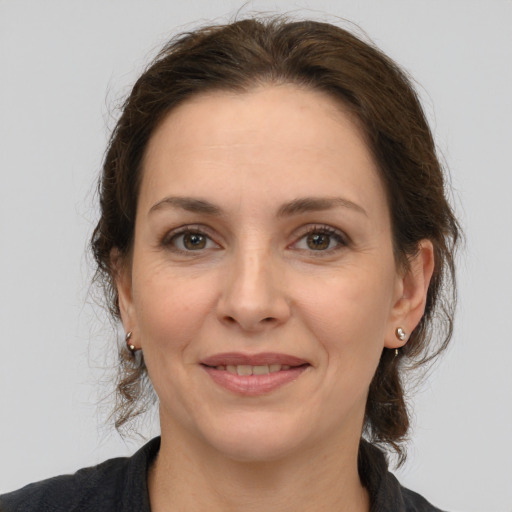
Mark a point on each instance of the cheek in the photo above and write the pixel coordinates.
(171, 311)
(348, 313)
(170, 307)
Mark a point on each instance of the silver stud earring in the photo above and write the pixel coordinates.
(130, 345)
(400, 334)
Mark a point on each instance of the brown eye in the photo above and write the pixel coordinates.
(189, 240)
(321, 239)
(194, 241)
(318, 241)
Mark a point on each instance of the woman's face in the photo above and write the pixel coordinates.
(262, 286)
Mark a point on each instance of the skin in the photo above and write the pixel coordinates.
(257, 283)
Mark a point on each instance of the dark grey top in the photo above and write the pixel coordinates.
(120, 485)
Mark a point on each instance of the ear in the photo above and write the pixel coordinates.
(121, 268)
(411, 295)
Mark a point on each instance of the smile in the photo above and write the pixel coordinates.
(253, 375)
(247, 369)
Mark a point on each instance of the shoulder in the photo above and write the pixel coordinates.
(386, 493)
(416, 503)
(107, 487)
(87, 488)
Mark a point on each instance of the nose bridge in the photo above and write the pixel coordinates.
(251, 272)
(253, 295)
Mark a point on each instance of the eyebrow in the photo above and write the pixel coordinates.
(189, 204)
(295, 207)
(317, 204)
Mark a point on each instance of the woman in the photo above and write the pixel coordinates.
(276, 241)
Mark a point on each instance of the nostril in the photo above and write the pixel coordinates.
(249, 324)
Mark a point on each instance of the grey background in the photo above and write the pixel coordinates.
(65, 65)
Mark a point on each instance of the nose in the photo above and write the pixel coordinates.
(253, 296)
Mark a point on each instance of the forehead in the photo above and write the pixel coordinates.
(281, 140)
(301, 116)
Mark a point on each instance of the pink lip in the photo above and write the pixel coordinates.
(253, 385)
(236, 358)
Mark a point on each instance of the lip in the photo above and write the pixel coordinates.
(236, 358)
(253, 385)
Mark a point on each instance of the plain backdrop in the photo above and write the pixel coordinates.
(66, 65)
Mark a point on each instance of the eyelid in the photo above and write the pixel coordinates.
(169, 236)
(342, 238)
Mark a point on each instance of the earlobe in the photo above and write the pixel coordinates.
(410, 304)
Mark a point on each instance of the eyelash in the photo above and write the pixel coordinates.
(340, 239)
(170, 239)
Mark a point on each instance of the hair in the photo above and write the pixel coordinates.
(320, 57)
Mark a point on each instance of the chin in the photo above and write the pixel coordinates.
(256, 449)
(257, 441)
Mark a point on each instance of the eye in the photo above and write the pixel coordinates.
(189, 240)
(321, 239)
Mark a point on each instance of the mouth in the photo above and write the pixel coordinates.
(253, 375)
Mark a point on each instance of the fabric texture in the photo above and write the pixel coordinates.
(120, 485)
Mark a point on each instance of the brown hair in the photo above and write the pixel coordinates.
(319, 56)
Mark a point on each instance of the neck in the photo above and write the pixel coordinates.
(191, 476)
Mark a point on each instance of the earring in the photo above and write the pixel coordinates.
(400, 334)
(396, 352)
(130, 345)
